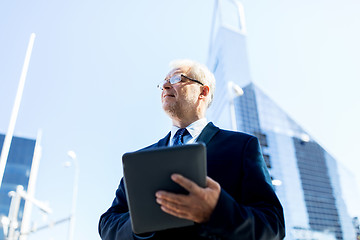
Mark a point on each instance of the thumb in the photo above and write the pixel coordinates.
(212, 184)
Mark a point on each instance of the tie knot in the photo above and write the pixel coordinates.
(179, 136)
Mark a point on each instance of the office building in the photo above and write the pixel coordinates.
(305, 176)
(17, 172)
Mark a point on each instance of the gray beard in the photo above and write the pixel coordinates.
(177, 111)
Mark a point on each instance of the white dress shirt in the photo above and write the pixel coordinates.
(194, 129)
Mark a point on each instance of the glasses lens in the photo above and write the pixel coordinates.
(175, 79)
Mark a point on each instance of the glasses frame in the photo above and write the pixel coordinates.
(173, 80)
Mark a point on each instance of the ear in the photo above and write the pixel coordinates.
(205, 92)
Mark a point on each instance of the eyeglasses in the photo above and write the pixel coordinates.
(175, 79)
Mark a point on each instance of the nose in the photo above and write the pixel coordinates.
(166, 84)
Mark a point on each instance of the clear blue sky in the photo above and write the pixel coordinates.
(91, 85)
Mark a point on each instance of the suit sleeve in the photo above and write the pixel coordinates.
(115, 223)
(258, 213)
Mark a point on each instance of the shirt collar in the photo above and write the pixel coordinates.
(194, 129)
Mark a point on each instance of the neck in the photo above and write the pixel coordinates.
(184, 122)
(183, 119)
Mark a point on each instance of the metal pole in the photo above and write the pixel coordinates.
(25, 225)
(15, 110)
(72, 155)
(50, 225)
(14, 211)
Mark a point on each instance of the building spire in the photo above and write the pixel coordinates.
(241, 14)
(235, 22)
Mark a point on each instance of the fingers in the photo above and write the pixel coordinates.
(192, 187)
(178, 204)
(174, 204)
(177, 212)
(196, 206)
(170, 197)
(189, 185)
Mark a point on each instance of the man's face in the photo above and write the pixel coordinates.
(180, 99)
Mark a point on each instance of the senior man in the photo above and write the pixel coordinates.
(238, 201)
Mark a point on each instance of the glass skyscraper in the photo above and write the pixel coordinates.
(17, 172)
(305, 176)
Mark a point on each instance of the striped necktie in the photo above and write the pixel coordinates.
(179, 136)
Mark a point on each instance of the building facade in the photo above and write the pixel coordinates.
(305, 176)
(17, 172)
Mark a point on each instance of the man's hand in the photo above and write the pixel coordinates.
(197, 206)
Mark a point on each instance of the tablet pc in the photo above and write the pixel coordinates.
(147, 171)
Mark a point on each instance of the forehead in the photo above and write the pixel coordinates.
(178, 70)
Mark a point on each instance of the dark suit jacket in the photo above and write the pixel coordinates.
(247, 208)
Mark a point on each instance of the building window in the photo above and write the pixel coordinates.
(262, 139)
(267, 160)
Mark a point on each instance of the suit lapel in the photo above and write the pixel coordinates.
(208, 133)
(205, 136)
(164, 141)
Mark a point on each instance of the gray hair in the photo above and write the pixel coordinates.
(200, 72)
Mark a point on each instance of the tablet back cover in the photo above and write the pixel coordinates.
(147, 171)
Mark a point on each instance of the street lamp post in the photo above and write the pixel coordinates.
(10, 223)
(13, 212)
(72, 155)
